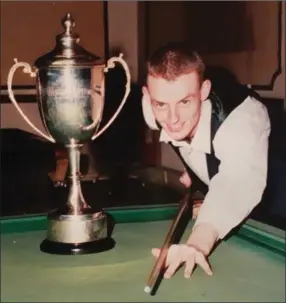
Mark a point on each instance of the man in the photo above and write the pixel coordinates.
(225, 145)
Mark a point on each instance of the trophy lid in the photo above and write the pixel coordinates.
(67, 51)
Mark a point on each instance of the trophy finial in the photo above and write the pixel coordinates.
(68, 23)
(67, 51)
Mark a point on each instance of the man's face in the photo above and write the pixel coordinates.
(177, 104)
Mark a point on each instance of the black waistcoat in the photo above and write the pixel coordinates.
(221, 108)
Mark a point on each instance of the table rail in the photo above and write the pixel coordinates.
(256, 232)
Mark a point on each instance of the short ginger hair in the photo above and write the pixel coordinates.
(173, 60)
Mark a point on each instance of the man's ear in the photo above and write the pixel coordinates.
(146, 96)
(205, 89)
(147, 109)
(145, 92)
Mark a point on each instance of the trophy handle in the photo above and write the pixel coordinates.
(27, 70)
(111, 64)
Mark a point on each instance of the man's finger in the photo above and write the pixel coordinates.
(174, 265)
(203, 263)
(156, 252)
(190, 264)
(172, 251)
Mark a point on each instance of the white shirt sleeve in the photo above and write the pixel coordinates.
(241, 144)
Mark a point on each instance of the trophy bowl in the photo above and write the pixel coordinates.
(70, 95)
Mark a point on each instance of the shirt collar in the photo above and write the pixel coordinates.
(202, 139)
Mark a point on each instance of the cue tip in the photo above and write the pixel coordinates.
(147, 289)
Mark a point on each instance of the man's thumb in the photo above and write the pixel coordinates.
(156, 252)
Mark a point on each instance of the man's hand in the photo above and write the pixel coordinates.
(186, 180)
(183, 254)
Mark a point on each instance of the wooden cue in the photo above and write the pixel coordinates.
(160, 262)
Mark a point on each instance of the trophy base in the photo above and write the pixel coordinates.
(84, 233)
(58, 248)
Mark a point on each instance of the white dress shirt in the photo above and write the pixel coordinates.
(241, 145)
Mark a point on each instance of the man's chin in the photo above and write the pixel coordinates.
(178, 136)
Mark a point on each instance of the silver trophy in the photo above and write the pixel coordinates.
(70, 94)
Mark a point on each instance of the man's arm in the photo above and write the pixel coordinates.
(242, 146)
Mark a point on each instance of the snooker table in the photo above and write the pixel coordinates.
(248, 266)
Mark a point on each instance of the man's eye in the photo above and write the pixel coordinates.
(185, 102)
(160, 104)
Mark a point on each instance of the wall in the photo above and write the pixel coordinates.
(29, 29)
(279, 85)
(123, 32)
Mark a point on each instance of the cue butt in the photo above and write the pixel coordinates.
(161, 260)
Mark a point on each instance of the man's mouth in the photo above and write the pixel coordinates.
(175, 129)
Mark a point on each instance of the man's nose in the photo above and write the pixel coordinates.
(173, 117)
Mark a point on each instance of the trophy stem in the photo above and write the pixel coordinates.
(76, 202)
(77, 229)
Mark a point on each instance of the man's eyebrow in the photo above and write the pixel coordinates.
(186, 97)
(156, 101)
